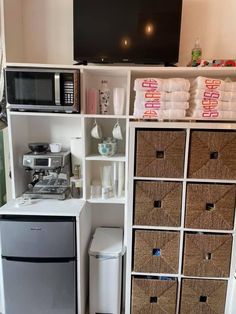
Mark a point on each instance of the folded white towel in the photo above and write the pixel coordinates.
(215, 94)
(212, 114)
(213, 84)
(162, 96)
(158, 84)
(210, 104)
(160, 105)
(159, 114)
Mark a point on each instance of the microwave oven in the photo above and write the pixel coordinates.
(42, 89)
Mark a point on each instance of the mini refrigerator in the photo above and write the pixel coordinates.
(39, 265)
(105, 271)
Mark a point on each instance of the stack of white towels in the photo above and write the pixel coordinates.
(212, 98)
(158, 98)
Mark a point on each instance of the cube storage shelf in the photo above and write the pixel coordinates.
(182, 219)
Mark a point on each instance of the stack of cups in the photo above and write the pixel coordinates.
(106, 181)
(91, 101)
(118, 100)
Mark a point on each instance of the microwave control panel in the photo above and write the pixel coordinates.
(68, 92)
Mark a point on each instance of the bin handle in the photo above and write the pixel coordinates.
(105, 257)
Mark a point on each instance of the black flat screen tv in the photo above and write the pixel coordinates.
(131, 31)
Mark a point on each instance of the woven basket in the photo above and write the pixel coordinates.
(157, 203)
(212, 155)
(156, 251)
(203, 296)
(153, 296)
(160, 153)
(207, 255)
(210, 206)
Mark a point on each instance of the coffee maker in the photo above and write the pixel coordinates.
(49, 172)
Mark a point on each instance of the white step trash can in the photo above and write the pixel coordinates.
(105, 275)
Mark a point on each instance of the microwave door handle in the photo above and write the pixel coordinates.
(57, 89)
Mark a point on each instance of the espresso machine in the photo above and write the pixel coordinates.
(49, 173)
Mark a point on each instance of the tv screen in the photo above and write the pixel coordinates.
(132, 31)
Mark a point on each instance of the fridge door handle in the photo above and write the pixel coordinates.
(39, 259)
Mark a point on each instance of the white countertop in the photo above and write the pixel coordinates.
(48, 207)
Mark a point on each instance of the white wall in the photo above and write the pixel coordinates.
(45, 29)
(13, 29)
(213, 21)
(51, 36)
(39, 31)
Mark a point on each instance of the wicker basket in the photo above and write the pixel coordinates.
(203, 296)
(212, 155)
(160, 153)
(156, 251)
(157, 203)
(210, 206)
(207, 255)
(153, 296)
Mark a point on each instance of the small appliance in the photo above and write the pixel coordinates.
(50, 174)
(43, 89)
(38, 257)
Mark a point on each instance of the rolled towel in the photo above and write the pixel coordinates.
(210, 104)
(160, 105)
(213, 84)
(199, 114)
(158, 84)
(159, 114)
(215, 94)
(162, 96)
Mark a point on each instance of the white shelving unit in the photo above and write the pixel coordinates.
(131, 227)
(25, 127)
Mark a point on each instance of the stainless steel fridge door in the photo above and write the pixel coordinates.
(39, 288)
(37, 238)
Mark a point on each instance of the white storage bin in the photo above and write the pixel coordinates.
(105, 275)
